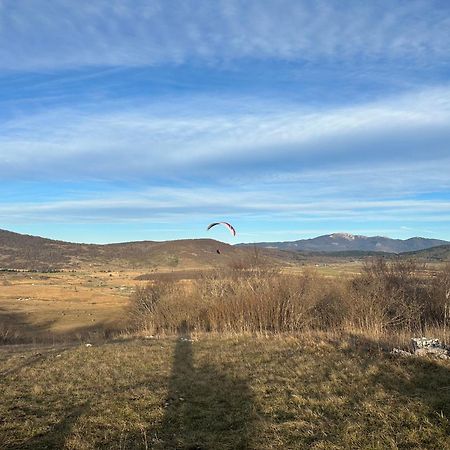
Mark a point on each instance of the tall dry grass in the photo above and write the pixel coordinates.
(394, 296)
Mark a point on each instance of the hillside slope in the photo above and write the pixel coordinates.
(440, 253)
(18, 251)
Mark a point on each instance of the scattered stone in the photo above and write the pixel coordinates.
(400, 352)
(424, 342)
(424, 346)
(88, 345)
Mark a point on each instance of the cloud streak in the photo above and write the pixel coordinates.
(185, 205)
(230, 143)
(279, 115)
(42, 34)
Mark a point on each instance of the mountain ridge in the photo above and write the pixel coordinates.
(338, 242)
(21, 251)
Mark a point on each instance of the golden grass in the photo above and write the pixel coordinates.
(47, 306)
(76, 304)
(394, 297)
(41, 305)
(222, 392)
(332, 389)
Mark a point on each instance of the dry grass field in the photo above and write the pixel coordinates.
(330, 389)
(82, 303)
(42, 305)
(222, 392)
(91, 302)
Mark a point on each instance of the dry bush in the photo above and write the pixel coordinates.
(9, 335)
(144, 301)
(240, 299)
(390, 295)
(438, 307)
(393, 296)
(333, 306)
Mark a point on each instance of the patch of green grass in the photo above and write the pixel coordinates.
(222, 393)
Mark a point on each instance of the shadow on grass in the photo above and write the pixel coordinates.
(205, 408)
(56, 436)
(16, 329)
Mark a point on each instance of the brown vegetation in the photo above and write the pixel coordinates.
(21, 252)
(386, 297)
(227, 392)
(36, 307)
(288, 370)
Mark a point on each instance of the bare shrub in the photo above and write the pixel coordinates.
(393, 296)
(333, 305)
(389, 295)
(144, 301)
(8, 334)
(438, 307)
(240, 299)
(251, 300)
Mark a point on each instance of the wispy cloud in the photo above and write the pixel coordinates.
(42, 34)
(280, 115)
(188, 140)
(246, 207)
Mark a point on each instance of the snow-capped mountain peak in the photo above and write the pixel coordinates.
(348, 236)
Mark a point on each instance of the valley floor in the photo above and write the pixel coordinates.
(84, 303)
(211, 392)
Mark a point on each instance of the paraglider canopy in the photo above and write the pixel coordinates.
(225, 224)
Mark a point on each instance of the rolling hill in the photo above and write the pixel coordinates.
(18, 251)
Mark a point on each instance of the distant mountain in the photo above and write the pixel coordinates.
(18, 251)
(344, 242)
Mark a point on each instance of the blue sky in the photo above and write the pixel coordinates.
(132, 120)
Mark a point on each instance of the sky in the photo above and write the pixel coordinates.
(149, 119)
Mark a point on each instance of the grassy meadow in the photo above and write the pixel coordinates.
(52, 306)
(222, 392)
(232, 359)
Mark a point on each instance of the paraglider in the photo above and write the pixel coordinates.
(225, 224)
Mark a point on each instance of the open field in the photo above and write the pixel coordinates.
(53, 290)
(85, 303)
(222, 393)
(76, 303)
(39, 305)
(155, 386)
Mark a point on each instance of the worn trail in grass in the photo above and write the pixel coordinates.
(221, 393)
